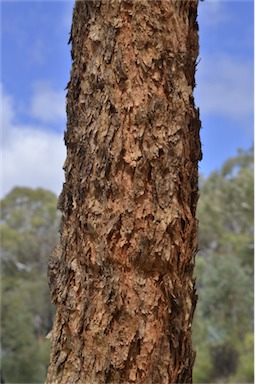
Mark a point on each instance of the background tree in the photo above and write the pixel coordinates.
(122, 275)
(223, 326)
(29, 230)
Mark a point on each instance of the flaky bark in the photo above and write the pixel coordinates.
(122, 276)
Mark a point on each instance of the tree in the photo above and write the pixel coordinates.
(121, 277)
(223, 324)
(29, 229)
(231, 190)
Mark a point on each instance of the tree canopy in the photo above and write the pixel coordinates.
(29, 229)
(223, 324)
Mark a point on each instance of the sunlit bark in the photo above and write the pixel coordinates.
(122, 275)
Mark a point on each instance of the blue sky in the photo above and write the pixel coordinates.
(35, 69)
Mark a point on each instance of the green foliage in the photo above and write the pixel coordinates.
(21, 362)
(223, 322)
(245, 371)
(203, 371)
(29, 223)
(225, 209)
(226, 297)
(29, 230)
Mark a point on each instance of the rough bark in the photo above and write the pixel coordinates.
(122, 275)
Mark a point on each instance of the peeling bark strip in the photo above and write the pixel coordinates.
(122, 276)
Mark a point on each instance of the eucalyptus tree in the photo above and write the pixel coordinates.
(122, 275)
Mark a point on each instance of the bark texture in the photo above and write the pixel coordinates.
(122, 275)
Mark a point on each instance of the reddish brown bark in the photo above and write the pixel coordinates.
(122, 275)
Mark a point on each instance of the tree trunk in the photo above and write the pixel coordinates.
(122, 275)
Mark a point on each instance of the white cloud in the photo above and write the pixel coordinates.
(32, 156)
(47, 104)
(225, 87)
